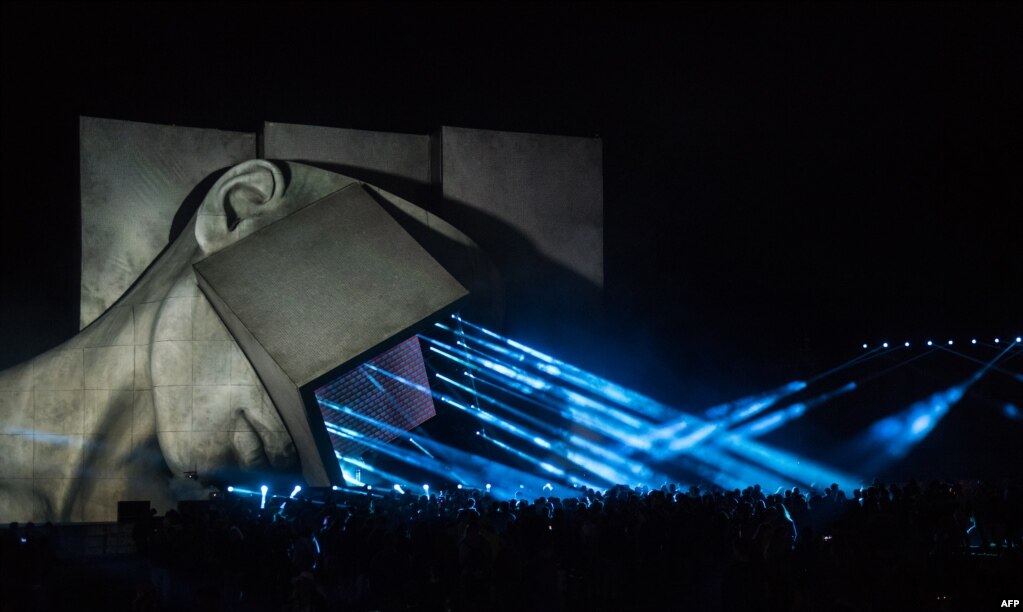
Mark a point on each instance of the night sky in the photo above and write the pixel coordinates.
(782, 182)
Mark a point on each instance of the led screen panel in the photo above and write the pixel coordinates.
(374, 404)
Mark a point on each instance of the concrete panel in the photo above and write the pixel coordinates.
(16, 412)
(211, 408)
(549, 188)
(144, 416)
(107, 452)
(143, 357)
(175, 404)
(241, 370)
(171, 363)
(145, 316)
(211, 362)
(111, 367)
(406, 156)
(58, 369)
(16, 456)
(18, 378)
(212, 452)
(206, 325)
(59, 412)
(57, 456)
(134, 178)
(95, 505)
(116, 328)
(101, 406)
(175, 319)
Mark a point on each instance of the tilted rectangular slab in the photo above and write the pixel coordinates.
(317, 293)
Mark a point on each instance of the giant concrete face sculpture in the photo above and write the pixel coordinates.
(157, 388)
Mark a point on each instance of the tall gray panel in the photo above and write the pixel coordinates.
(399, 163)
(134, 178)
(548, 188)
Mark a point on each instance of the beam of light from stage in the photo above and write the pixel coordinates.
(558, 448)
(575, 407)
(405, 456)
(769, 423)
(588, 381)
(383, 475)
(746, 407)
(634, 434)
(893, 437)
(484, 363)
(547, 467)
(446, 457)
(504, 406)
(421, 447)
(874, 352)
(988, 365)
(262, 502)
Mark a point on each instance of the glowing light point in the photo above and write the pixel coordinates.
(1018, 339)
(864, 345)
(996, 340)
(369, 487)
(885, 345)
(974, 341)
(929, 343)
(488, 486)
(230, 489)
(295, 491)
(397, 487)
(459, 487)
(907, 345)
(262, 503)
(950, 343)
(426, 488)
(333, 488)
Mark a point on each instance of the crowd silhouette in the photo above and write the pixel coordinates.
(912, 546)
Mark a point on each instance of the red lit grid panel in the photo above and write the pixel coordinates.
(379, 397)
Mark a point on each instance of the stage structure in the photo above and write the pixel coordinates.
(225, 302)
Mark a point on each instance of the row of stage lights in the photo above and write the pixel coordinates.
(263, 490)
(932, 343)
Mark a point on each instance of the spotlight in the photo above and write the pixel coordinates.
(885, 345)
(950, 343)
(369, 487)
(907, 345)
(230, 489)
(522, 486)
(397, 487)
(864, 345)
(426, 488)
(548, 487)
(996, 340)
(262, 503)
(295, 491)
(488, 486)
(459, 487)
(1018, 339)
(974, 341)
(333, 488)
(478, 431)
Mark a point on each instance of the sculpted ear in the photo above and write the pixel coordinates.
(235, 205)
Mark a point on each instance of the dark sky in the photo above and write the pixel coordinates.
(782, 181)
